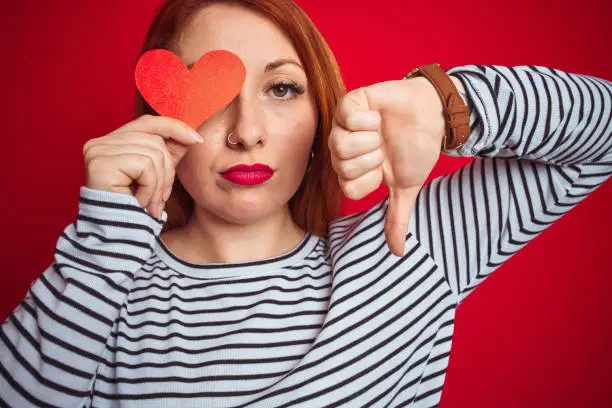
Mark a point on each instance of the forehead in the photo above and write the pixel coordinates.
(248, 34)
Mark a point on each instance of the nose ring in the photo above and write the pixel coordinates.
(229, 139)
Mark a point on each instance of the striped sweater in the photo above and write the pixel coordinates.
(118, 320)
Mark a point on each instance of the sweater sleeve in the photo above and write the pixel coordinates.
(543, 142)
(52, 343)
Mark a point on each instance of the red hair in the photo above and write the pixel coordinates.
(317, 200)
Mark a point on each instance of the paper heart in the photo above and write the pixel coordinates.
(191, 95)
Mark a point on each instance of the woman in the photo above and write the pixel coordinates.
(257, 294)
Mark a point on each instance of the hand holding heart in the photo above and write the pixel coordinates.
(140, 157)
(389, 132)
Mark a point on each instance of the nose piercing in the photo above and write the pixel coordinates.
(229, 139)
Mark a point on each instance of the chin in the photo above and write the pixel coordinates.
(246, 215)
(245, 207)
(248, 210)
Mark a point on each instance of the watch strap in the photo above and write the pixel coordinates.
(456, 114)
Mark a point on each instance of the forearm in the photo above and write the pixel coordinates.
(51, 345)
(537, 113)
(544, 145)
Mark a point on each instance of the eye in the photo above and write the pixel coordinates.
(280, 90)
(286, 90)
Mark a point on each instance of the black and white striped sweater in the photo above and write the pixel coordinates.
(118, 320)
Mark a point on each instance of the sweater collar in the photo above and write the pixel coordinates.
(218, 270)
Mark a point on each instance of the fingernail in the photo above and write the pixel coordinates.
(197, 137)
(160, 209)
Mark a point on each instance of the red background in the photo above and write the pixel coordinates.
(537, 333)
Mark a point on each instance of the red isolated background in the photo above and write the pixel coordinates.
(537, 333)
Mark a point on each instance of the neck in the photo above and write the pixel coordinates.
(210, 239)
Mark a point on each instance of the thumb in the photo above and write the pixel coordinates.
(353, 102)
(176, 150)
(401, 203)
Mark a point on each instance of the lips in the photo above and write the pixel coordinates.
(248, 175)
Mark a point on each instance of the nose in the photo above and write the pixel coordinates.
(247, 129)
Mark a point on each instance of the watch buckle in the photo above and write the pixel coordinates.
(412, 73)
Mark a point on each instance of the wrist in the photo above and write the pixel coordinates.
(455, 109)
(429, 106)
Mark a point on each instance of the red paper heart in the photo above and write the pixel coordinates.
(191, 95)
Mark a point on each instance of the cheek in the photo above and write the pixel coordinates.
(194, 166)
(297, 147)
(299, 141)
(201, 158)
(294, 123)
(300, 131)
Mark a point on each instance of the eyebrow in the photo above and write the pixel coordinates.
(273, 65)
(278, 63)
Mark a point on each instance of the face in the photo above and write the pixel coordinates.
(274, 118)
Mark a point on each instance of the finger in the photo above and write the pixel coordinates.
(113, 150)
(357, 167)
(401, 203)
(176, 150)
(98, 176)
(171, 150)
(360, 187)
(359, 120)
(137, 167)
(337, 136)
(354, 111)
(156, 156)
(145, 175)
(347, 145)
(168, 128)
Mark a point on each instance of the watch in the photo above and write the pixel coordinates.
(456, 115)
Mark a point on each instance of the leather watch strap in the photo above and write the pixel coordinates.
(455, 110)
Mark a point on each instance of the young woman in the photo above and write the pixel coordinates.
(249, 290)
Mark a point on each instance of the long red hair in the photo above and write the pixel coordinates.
(317, 201)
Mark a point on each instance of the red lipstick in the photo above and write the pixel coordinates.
(248, 175)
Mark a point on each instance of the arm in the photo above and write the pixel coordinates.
(543, 141)
(52, 343)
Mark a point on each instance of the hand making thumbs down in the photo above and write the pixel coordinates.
(388, 132)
